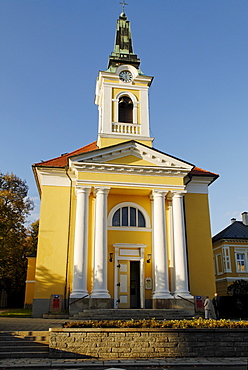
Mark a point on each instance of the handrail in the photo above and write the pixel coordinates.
(78, 299)
(184, 299)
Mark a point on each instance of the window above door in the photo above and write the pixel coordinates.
(128, 215)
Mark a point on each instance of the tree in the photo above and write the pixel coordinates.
(32, 237)
(15, 206)
(239, 287)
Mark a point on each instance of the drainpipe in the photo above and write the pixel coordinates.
(68, 240)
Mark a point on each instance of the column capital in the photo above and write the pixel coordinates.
(79, 189)
(158, 193)
(101, 189)
(178, 193)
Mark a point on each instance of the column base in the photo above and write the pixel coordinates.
(162, 295)
(100, 294)
(79, 294)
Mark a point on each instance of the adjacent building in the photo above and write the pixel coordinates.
(230, 248)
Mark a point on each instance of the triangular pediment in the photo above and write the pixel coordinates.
(131, 153)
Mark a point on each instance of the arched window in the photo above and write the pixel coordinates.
(129, 217)
(125, 109)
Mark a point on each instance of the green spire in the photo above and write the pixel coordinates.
(123, 48)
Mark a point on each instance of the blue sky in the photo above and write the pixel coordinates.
(52, 50)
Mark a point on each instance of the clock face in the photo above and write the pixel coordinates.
(125, 76)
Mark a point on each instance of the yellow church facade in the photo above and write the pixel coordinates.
(122, 224)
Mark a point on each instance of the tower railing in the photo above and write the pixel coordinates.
(126, 128)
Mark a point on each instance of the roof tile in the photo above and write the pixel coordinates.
(62, 161)
(236, 230)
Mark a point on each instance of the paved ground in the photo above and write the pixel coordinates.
(29, 324)
(33, 324)
(178, 364)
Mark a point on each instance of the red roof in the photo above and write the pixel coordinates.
(62, 161)
(199, 171)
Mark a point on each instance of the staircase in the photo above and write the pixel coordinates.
(24, 344)
(126, 314)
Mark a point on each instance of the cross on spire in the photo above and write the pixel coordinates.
(123, 5)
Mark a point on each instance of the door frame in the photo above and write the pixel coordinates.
(118, 258)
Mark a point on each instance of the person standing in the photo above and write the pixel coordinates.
(207, 307)
(216, 304)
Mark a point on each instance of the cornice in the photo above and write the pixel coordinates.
(132, 185)
(162, 161)
(233, 241)
(129, 169)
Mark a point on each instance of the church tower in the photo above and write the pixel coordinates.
(122, 94)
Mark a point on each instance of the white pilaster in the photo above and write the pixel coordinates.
(180, 253)
(100, 247)
(160, 258)
(79, 287)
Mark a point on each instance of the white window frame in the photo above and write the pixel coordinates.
(135, 105)
(245, 252)
(219, 255)
(129, 204)
(226, 259)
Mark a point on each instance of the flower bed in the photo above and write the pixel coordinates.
(152, 323)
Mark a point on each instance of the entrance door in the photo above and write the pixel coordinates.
(124, 285)
(129, 284)
(134, 284)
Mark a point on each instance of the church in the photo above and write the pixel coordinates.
(123, 225)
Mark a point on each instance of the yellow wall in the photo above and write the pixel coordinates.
(29, 289)
(104, 142)
(131, 159)
(126, 236)
(201, 269)
(57, 225)
(130, 178)
(53, 242)
(226, 277)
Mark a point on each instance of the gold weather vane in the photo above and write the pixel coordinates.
(123, 6)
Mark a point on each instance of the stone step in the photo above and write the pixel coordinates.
(126, 314)
(24, 344)
(23, 347)
(23, 355)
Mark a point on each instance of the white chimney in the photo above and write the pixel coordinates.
(245, 218)
(233, 220)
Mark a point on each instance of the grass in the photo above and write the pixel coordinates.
(15, 312)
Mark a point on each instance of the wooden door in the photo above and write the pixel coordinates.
(124, 285)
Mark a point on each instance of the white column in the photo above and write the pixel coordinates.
(180, 253)
(160, 259)
(100, 248)
(79, 287)
(171, 245)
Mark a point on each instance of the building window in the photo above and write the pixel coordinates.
(241, 262)
(219, 265)
(128, 217)
(125, 109)
(226, 259)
